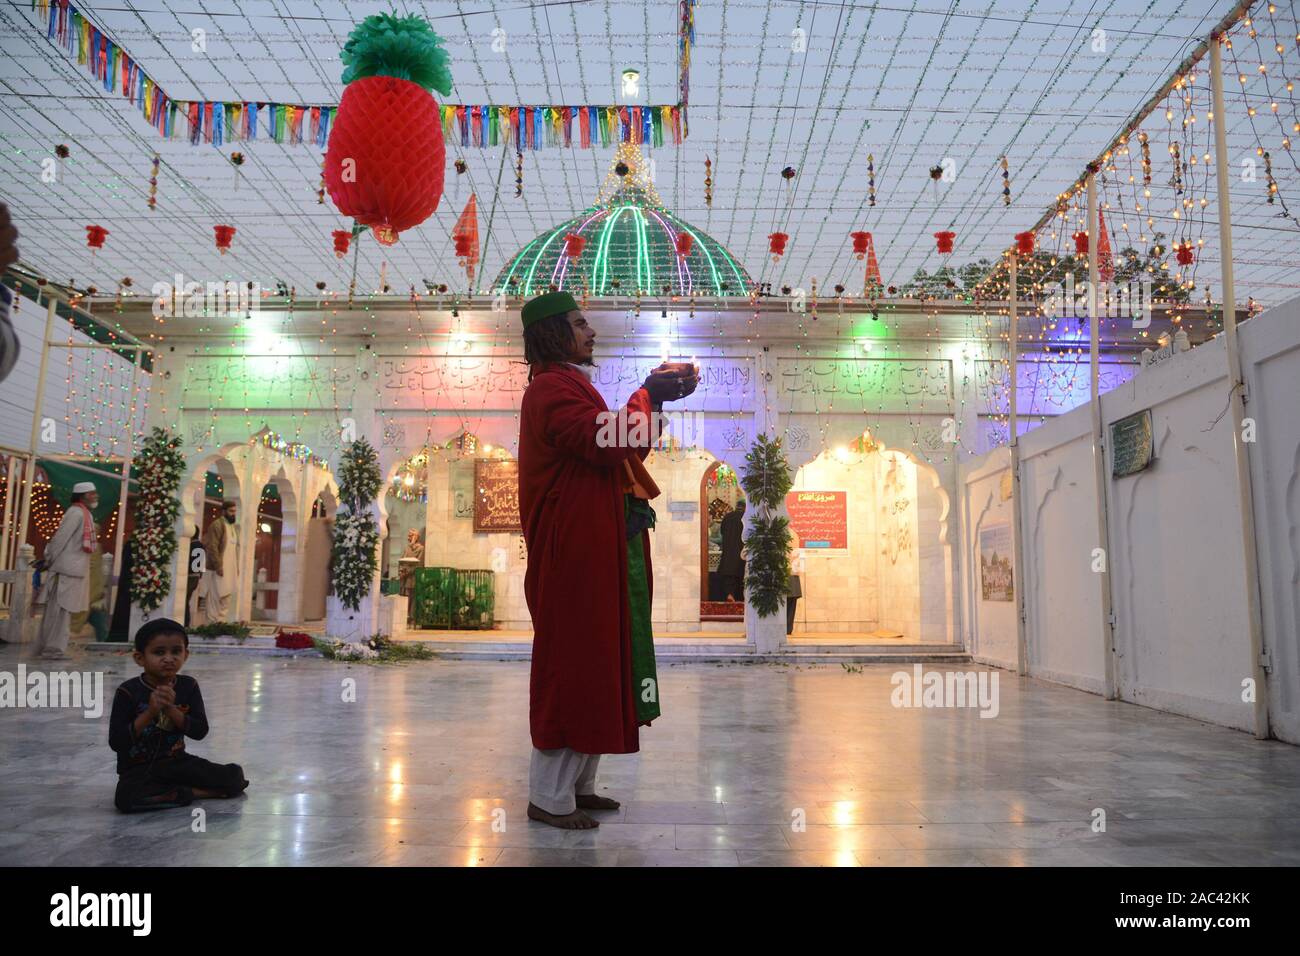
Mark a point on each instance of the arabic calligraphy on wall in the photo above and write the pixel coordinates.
(895, 513)
(496, 495)
(1043, 386)
(253, 381)
(867, 384)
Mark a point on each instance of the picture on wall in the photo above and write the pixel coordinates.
(996, 578)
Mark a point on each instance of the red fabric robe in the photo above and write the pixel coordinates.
(571, 506)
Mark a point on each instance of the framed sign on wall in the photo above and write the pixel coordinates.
(496, 495)
(1132, 447)
(819, 519)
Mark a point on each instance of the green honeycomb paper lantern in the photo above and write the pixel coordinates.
(631, 246)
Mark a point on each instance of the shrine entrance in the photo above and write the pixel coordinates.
(722, 565)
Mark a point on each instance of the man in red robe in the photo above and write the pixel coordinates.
(571, 501)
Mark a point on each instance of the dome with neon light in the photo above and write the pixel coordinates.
(628, 242)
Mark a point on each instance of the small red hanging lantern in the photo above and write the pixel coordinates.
(944, 241)
(683, 244)
(95, 236)
(1025, 243)
(342, 239)
(464, 247)
(1081, 243)
(574, 244)
(224, 234)
(861, 243)
(776, 244)
(1186, 256)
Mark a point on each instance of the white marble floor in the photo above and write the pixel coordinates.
(751, 765)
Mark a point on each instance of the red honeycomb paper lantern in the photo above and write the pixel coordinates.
(1025, 243)
(1081, 243)
(386, 158)
(776, 244)
(683, 244)
(944, 241)
(1186, 254)
(342, 238)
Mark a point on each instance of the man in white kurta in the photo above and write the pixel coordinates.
(65, 571)
(221, 564)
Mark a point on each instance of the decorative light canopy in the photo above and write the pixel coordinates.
(631, 247)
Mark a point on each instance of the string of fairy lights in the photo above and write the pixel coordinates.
(1157, 200)
(1164, 189)
(854, 101)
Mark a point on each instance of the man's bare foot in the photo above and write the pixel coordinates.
(590, 801)
(577, 820)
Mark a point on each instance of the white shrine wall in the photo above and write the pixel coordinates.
(914, 398)
(1181, 637)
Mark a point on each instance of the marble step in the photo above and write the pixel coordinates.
(675, 651)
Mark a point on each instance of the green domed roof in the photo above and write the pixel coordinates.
(630, 245)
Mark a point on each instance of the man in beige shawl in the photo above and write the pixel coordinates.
(221, 565)
(65, 571)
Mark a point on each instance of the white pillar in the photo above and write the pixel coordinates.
(1017, 527)
(29, 475)
(1245, 492)
(767, 634)
(1100, 479)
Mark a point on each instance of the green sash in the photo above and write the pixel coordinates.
(645, 682)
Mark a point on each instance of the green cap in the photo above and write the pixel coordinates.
(547, 305)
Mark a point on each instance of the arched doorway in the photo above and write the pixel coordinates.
(872, 554)
(406, 511)
(275, 592)
(213, 480)
(316, 555)
(722, 595)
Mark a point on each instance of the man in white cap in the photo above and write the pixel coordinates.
(65, 571)
(221, 564)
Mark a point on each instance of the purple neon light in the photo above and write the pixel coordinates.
(564, 256)
(672, 236)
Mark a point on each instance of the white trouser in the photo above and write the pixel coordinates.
(555, 776)
(216, 606)
(52, 638)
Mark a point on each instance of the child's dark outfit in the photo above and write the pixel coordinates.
(154, 771)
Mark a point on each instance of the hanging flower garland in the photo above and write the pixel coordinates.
(708, 182)
(153, 539)
(353, 558)
(871, 179)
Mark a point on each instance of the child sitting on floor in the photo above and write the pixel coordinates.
(152, 715)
